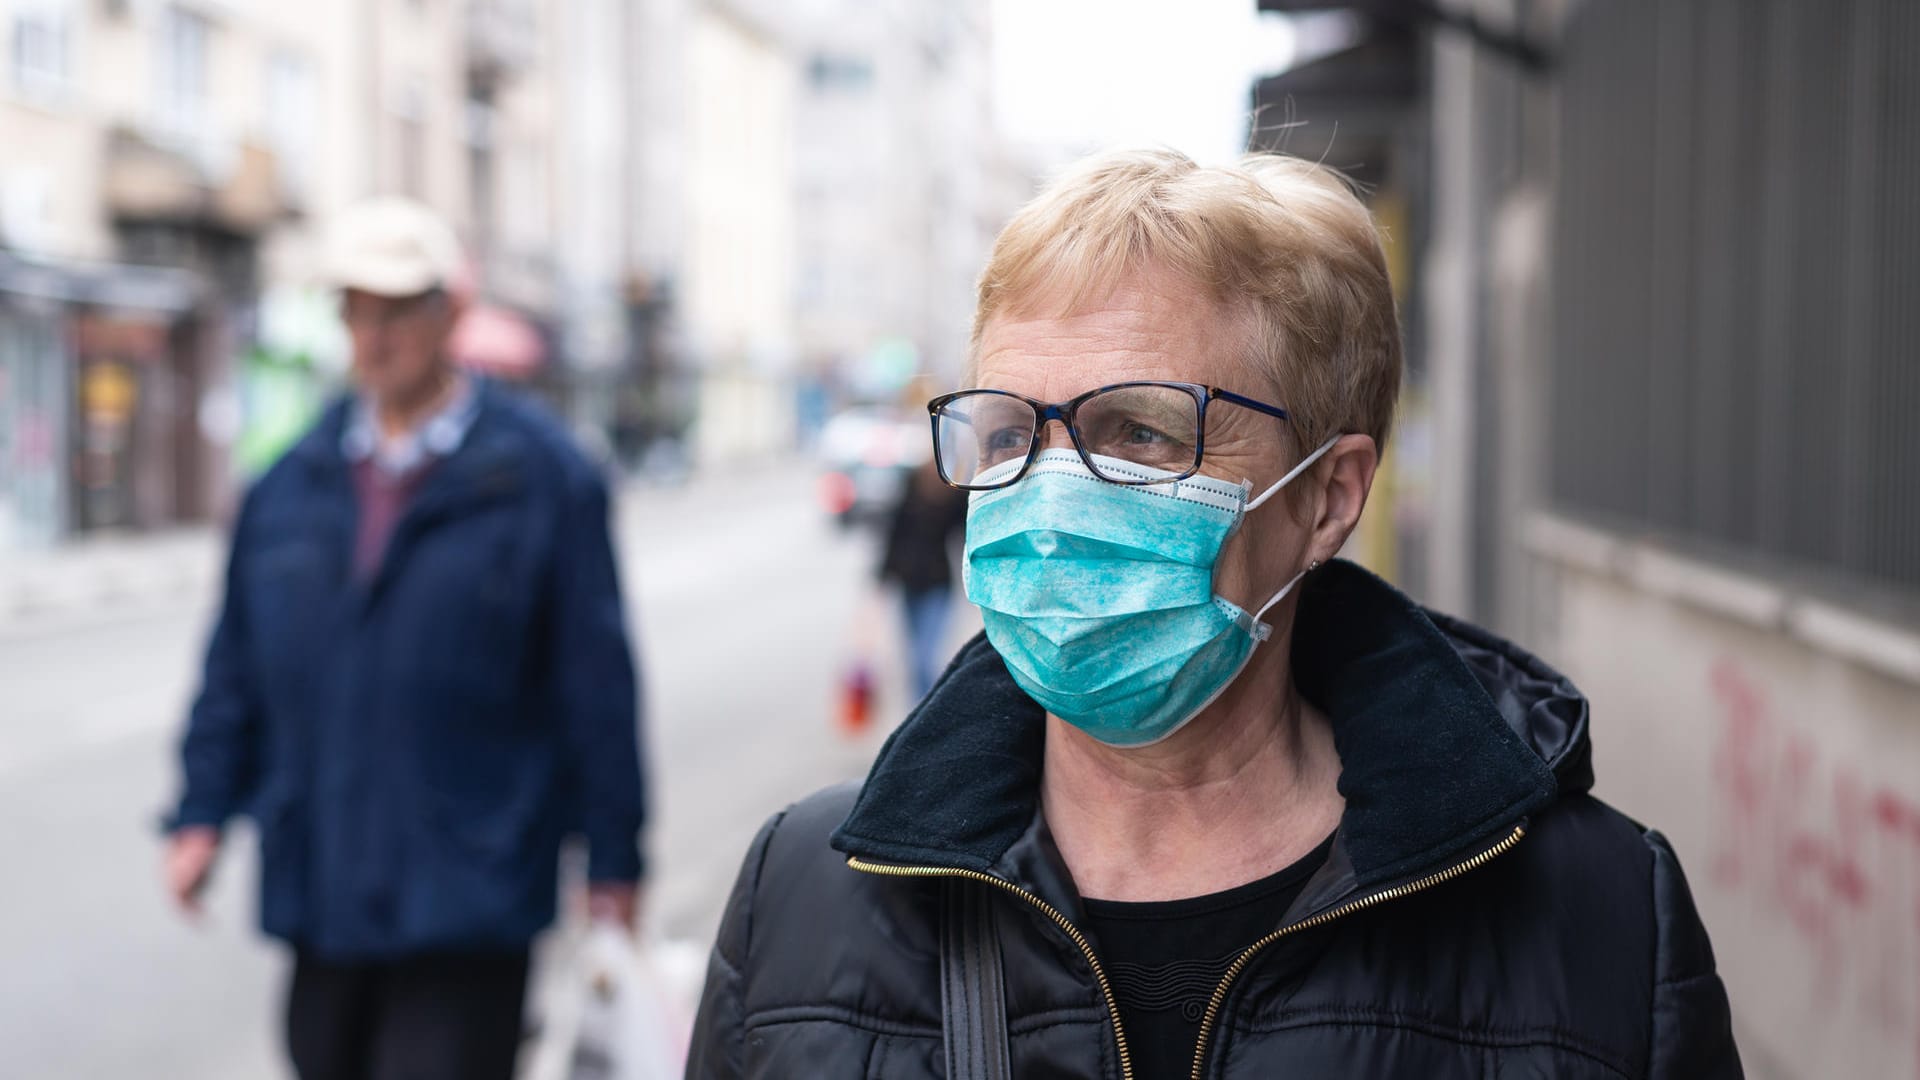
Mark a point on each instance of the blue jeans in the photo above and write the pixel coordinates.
(926, 614)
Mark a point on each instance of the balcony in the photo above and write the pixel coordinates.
(233, 185)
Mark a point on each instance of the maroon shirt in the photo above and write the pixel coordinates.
(385, 481)
(383, 499)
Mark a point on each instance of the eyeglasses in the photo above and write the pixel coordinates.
(978, 434)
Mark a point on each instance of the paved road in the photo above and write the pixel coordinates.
(743, 599)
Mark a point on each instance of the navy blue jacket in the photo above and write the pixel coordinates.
(414, 749)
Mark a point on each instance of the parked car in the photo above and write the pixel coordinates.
(866, 454)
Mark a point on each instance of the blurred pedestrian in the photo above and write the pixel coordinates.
(1205, 800)
(918, 561)
(419, 683)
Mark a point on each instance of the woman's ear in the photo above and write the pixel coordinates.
(1347, 471)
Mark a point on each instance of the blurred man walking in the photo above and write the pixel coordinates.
(420, 682)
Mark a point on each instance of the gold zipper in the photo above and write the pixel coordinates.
(1240, 962)
(1072, 931)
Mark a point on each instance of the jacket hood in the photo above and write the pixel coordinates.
(1448, 737)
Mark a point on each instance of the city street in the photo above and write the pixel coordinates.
(743, 597)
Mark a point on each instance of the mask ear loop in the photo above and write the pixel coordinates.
(1261, 631)
(1296, 471)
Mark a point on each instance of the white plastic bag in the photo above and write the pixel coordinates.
(617, 1012)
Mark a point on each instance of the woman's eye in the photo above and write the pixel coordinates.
(1007, 439)
(1142, 435)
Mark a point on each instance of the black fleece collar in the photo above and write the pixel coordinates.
(1448, 737)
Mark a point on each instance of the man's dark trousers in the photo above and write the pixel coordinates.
(451, 1016)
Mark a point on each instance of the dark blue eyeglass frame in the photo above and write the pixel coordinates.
(1064, 411)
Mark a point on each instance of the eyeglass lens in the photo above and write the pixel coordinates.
(1154, 426)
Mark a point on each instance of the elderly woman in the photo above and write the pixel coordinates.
(1203, 800)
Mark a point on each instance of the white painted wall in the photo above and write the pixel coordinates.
(1776, 742)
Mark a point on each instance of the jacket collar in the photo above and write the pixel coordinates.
(1448, 738)
(477, 436)
(490, 462)
(436, 437)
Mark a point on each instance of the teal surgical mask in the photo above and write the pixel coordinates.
(1099, 596)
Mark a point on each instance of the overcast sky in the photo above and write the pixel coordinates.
(1079, 74)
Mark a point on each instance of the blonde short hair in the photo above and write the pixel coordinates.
(1279, 241)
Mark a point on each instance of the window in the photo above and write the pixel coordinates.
(41, 48)
(182, 100)
(826, 72)
(290, 120)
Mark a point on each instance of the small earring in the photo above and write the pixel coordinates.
(1312, 566)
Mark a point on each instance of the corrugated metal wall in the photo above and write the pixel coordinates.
(1737, 280)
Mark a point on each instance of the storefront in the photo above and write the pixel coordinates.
(97, 408)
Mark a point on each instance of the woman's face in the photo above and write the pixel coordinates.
(1160, 328)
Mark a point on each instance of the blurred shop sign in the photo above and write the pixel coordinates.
(108, 393)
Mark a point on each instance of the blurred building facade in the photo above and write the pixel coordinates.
(738, 293)
(654, 399)
(166, 332)
(1663, 334)
(132, 230)
(690, 220)
(897, 154)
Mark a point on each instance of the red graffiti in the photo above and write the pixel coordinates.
(1834, 858)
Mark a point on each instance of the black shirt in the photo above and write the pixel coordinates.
(1165, 958)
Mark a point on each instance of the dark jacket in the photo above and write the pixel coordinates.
(1480, 914)
(917, 554)
(413, 749)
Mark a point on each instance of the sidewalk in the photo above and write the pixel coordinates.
(105, 576)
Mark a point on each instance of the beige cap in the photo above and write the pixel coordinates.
(391, 246)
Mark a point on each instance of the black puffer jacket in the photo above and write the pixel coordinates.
(1481, 915)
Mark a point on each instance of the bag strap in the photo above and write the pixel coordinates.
(973, 992)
